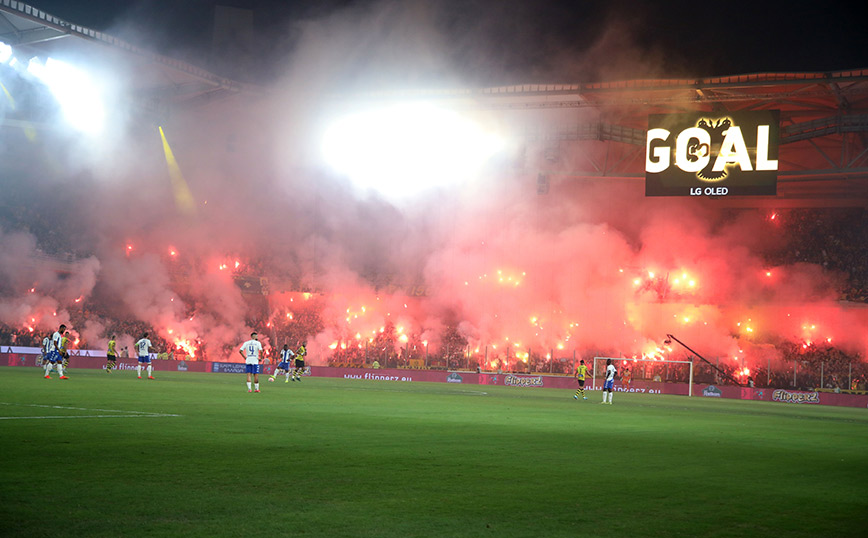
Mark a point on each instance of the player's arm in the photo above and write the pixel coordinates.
(241, 352)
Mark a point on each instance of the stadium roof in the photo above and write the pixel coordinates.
(159, 79)
(824, 116)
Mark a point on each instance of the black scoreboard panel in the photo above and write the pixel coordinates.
(712, 154)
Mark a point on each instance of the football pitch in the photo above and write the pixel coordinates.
(195, 455)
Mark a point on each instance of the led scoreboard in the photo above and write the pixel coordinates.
(712, 154)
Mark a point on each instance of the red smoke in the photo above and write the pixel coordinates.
(589, 267)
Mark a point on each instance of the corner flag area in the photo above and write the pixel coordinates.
(193, 454)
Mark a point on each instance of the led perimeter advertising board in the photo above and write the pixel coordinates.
(712, 154)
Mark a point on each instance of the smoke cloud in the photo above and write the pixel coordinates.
(589, 267)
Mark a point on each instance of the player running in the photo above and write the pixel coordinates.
(111, 355)
(55, 360)
(250, 351)
(610, 381)
(285, 364)
(581, 373)
(143, 351)
(299, 362)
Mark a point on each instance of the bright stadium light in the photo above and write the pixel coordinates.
(407, 148)
(5, 52)
(77, 93)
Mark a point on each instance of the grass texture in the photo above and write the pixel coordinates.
(193, 454)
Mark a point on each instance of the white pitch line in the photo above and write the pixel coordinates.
(77, 408)
(90, 416)
(127, 414)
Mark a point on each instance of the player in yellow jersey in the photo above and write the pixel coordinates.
(64, 351)
(111, 355)
(299, 362)
(581, 373)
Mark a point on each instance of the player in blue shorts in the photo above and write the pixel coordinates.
(285, 364)
(143, 350)
(46, 349)
(609, 384)
(250, 351)
(55, 359)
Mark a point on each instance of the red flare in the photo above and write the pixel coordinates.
(187, 346)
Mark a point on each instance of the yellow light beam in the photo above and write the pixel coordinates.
(26, 126)
(183, 196)
(8, 96)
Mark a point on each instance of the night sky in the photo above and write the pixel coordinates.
(511, 41)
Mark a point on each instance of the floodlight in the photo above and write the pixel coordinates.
(77, 93)
(36, 68)
(406, 148)
(5, 52)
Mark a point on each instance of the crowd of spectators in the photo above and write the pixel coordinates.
(12, 336)
(812, 366)
(834, 238)
(35, 213)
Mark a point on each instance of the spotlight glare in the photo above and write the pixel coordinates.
(77, 93)
(5, 52)
(407, 148)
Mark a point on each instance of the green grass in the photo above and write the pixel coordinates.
(333, 457)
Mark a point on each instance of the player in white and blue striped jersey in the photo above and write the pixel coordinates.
(55, 359)
(285, 364)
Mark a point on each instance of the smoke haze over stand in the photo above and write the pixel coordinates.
(497, 260)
